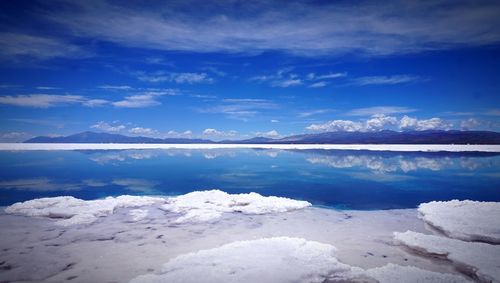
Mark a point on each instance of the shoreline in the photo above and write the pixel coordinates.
(369, 147)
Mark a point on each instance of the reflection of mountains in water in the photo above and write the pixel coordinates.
(382, 162)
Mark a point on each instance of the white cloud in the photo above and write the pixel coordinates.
(275, 121)
(41, 100)
(103, 126)
(215, 133)
(368, 111)
(380, 122)
(180, 78)
(212, 132)
(470, 124)
(302, 28)
(477, 124)
(337, 126)
(269, 134)
(137, 101)
(385, 80)
(408, 123)
(143, 131)
(145, 99)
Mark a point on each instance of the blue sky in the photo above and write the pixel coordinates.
(234, 69)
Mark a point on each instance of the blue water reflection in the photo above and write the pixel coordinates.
(345, 179)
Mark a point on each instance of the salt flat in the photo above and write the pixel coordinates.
(247, 238)
(374, 147)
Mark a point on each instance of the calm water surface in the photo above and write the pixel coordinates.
(341, 179)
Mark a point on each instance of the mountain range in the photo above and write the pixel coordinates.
(381, 137)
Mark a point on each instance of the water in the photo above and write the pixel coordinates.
(341, 179)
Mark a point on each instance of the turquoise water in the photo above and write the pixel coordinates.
(333, 178)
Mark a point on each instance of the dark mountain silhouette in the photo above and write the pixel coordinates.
(382, 137)
(92, 137)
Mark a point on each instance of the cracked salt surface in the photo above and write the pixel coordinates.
(136, 242)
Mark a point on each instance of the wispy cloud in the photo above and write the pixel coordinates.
(180, 78)
(318, 84)
(303, 28)
(285, 78)
(368, 111)
(314, 112)
(19, 45)
(137, 101)
(41, 100)
(385, 80)
(281, 78)
(313, 76)
(47, 88)
(287, 83)
(141, 100)
(116, 87)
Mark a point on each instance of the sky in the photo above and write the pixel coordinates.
(240, 69)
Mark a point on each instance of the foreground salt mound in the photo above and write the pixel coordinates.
(466, 220)
(69, 210)
(479, 259)
(282, 259)
(202, 206)
(392, 273)
(279, 259)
